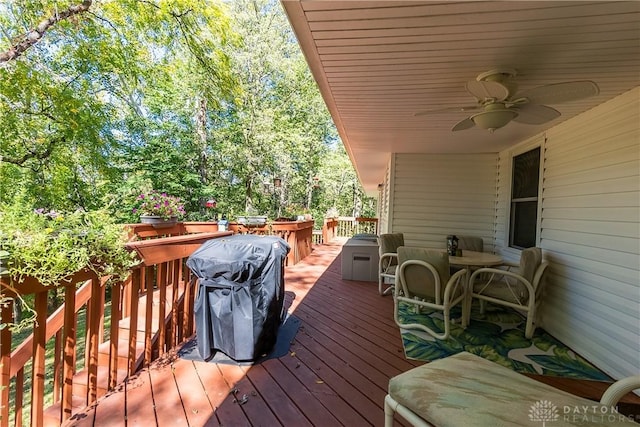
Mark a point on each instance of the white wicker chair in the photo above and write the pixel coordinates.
(521, 289)
(388, 263)
(424, 281)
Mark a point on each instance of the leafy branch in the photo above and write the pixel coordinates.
(33, 154)
(27, 40)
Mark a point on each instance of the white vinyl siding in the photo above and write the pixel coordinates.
(435, 195)
(383, 203)
(590, 233)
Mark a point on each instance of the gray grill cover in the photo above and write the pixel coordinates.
(240, 299)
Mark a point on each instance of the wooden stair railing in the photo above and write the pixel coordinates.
(151, 312)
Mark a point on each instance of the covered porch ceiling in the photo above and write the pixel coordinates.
(377, 63)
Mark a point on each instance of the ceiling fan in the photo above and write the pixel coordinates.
(498, 103)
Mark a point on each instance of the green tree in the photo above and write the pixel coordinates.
(97, 84)
(100, 101)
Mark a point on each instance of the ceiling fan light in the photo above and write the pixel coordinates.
(494, 119)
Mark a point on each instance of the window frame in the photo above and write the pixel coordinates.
(510, 204)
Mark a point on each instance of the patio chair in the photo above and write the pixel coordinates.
(470, 243)
(424, 281)
(520, 289)
(388, 263)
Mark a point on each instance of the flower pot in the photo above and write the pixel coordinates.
(158, 221)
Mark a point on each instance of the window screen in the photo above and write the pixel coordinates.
(524, 199)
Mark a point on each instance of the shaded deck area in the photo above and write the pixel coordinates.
(336, 372)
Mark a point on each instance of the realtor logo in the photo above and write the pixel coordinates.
(544, 411)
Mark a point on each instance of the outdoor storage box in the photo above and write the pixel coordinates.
(240, 300)
(360, 260)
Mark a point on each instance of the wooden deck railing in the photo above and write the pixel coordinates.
(349, 226)
(147, 231)
(344, 226)
(127, 325)
(150, 313)
(298, 235)
(329, 229)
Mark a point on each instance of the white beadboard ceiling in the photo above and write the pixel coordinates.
(379, 62)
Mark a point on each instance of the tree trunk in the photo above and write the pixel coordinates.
(248, 200)
(201, 130)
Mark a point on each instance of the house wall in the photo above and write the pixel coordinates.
(589, 231)
(432, 196)
(588, 227)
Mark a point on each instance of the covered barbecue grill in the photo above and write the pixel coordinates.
(240, 299)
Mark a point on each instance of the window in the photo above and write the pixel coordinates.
(524, 199)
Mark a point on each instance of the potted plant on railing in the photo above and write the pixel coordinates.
(50, 246)
(159, 209)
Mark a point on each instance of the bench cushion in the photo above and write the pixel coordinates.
(467, 390)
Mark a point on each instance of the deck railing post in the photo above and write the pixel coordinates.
(6, 316)
(114, 333)
(19, 400)
(57, 366)
(93, 335)
(162, 279)
(37, 375)
(175, 281)
(69, 355)
(148, 275)
(137, 278)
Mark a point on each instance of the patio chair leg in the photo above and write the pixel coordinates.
(388, 411)
(530, 328)
(388, 291)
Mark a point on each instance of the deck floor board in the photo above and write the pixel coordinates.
(195, 404)
(166, 398)
(313, 409)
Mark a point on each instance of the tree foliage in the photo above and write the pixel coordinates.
(103, 100)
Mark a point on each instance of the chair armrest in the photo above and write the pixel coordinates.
(506, 266)
(617, 390)
(504, 273)
(453, 281)
(387, 257)
(456, 276)
(510, 264)
(493, 270)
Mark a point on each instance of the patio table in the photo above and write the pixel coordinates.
(469, 260)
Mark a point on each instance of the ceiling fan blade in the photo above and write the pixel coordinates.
(464, 124)
(447, 110)
(560, 92)
(487, 90)
(533, 114)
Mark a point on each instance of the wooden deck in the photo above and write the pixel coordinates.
(336, 372)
